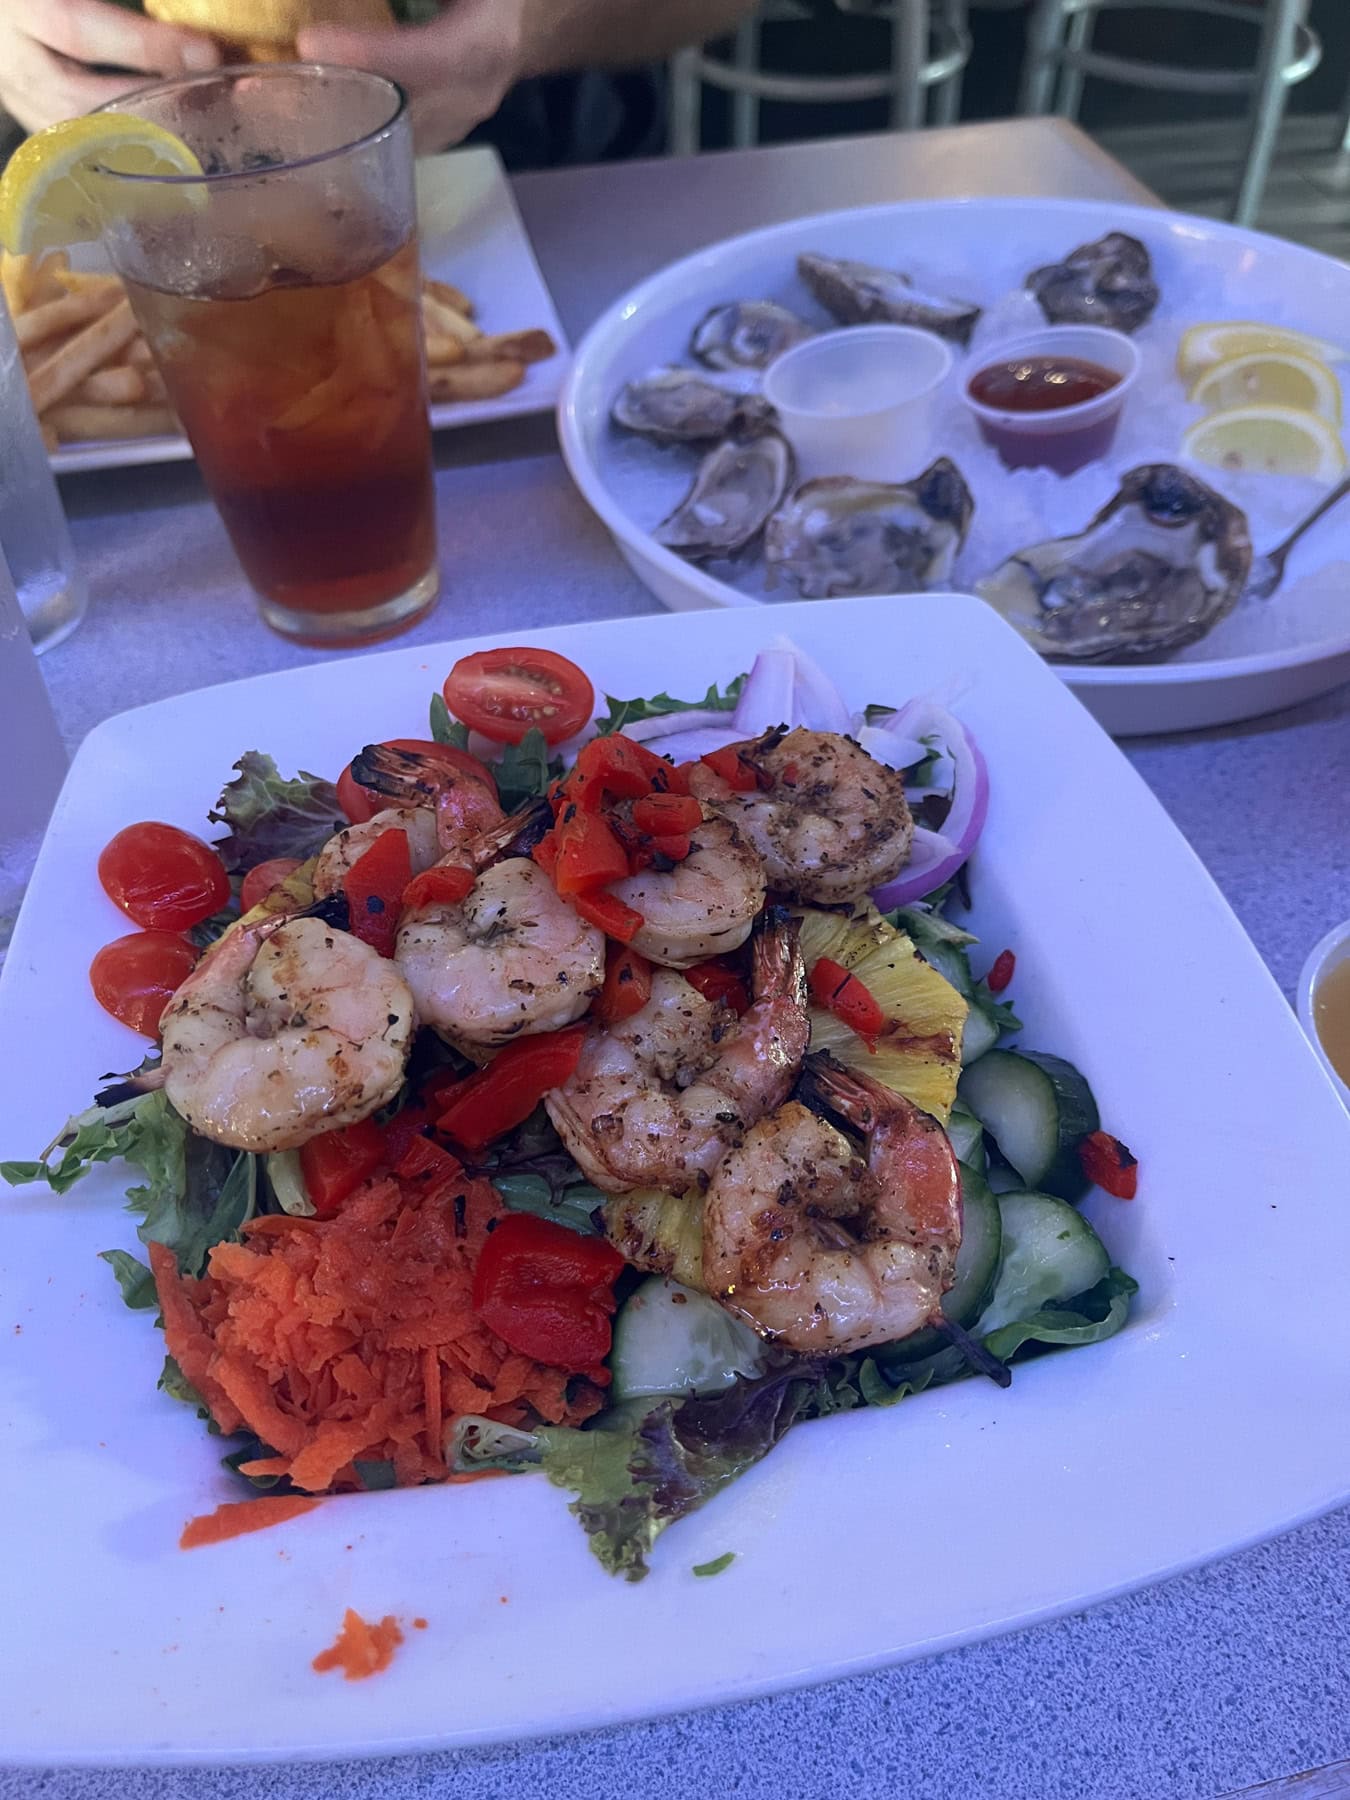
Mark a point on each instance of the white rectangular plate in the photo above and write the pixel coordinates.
(473, 235)
(1216, 1418)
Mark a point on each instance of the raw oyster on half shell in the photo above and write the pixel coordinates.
(1109, 282)
(858, 293)
(1158, 567)
(840, 535)
(682, 406)
(747, 334)
(737, 486)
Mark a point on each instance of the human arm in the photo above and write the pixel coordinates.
(458, 68)
(54, 55)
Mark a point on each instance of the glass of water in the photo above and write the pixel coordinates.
(30, 747)
(34, 536)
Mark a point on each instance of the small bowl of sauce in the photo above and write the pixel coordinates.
(1053, 399)
(1324, 1005)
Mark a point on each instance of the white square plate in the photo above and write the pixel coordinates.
(472, 234)
(1218, 1417)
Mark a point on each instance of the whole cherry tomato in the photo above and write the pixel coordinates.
(136, 976)
(162, 877)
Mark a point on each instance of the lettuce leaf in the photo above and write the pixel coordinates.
(195, 1193)
(523, 771)
(134, 1279)
(1090, 1318)
(627, 712)
(268, 814)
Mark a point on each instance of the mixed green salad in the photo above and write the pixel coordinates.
(521, 1311)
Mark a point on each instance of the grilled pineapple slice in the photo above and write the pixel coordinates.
(660, 1232)
(919, 1055)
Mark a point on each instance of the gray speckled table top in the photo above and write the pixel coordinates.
(1218, 1680)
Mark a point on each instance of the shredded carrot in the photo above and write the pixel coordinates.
(360, 1649)
(236, 1517)
(353, 1340)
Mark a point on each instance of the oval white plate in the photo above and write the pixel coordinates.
(1261, 658)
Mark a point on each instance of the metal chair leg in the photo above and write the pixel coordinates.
(1045, 30)
(745, 107)
(947, 94)
(684, 128)
(1070, 96)
(1281, 20)
(909, 52)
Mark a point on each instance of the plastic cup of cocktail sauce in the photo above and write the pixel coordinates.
(1037, 431)
(859, 401)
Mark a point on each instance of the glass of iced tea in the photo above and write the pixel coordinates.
(280, 294)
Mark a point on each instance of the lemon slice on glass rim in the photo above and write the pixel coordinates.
(1219, 339)
(1270, 378)
(49, 190)
(1268, 440)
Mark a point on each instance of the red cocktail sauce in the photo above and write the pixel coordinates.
(1045, 385)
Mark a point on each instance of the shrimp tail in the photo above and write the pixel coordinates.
(826, 1086)
(401, 776)
(516, 835)
(776, 966)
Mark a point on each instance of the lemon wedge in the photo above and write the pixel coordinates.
(1219, 340)
(1268, 440)
(48, 193)
(1270, 378)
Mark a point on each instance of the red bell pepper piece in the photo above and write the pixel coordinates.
(715, 981)
(1108, 1164)
(734, 767)
(628, 985)
(589, 854)
(545, 853)
(1001, 973)
(336, 1163)
(430, 1166)
(675, 848)
(614, 917)
(841, 993)
(503, 1095)
(447, 885)
(625, 769)
(374, 888)
(548, 1292)
(664, 815)
(402, 1131)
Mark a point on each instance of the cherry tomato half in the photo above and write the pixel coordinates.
(136, 976)
(362, 803)
(502, 693)
(162, 877)
(263, 877)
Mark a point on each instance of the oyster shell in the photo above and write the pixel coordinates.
(839, 535)
(1157, 568)
(858, 293)
(736, 488)
(680, 406)
(1109, 282)
(747, 334)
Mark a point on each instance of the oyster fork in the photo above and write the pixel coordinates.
(1267, 572)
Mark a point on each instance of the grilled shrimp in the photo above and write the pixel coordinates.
(463, 807)
(701, 907)
(829, 822)
(820, 1250)
(347, 847)
(285, 1029)
(510, 959)
(657, 1099)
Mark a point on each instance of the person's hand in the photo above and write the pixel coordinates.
(49, 50)
(456, 70)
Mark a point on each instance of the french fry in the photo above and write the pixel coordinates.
(81, 424)
(67, 367)
(155, 389)
(455, 298)
(439, 317)
(17, 275)
(46, 282)
(77, 281)
(443, 350)
(55, 316)
(474, 381)
(138, 354)
(120, 385)
(511, 346)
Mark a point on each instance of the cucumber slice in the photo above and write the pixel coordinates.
(1037, 1109)
(1050, 1252)
(978, 1036)
(670, 1340)
(977, 1267)
(966, 1135)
